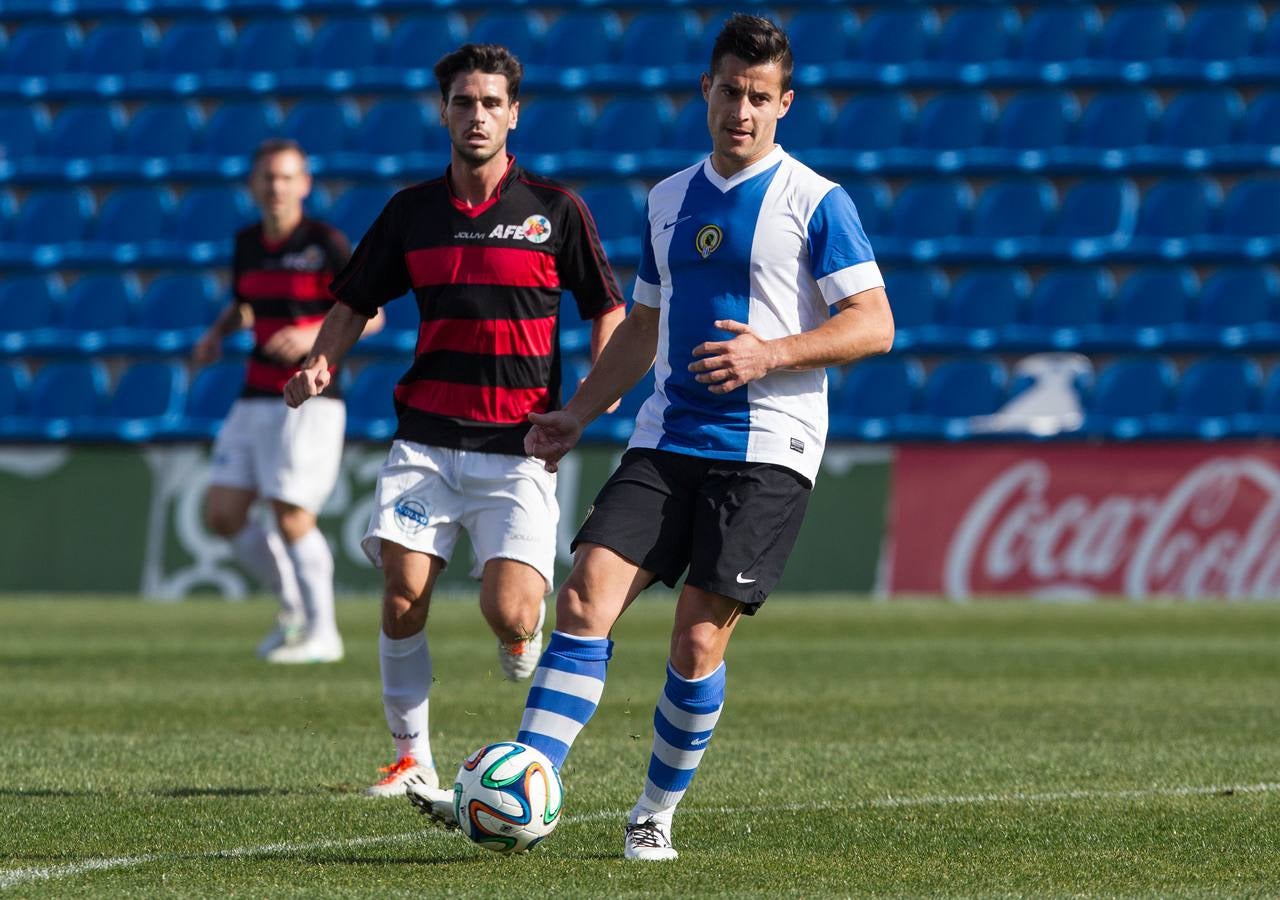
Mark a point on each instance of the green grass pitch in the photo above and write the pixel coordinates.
(989, 749)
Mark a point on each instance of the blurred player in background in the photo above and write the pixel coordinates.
(280, 275)
(755, 276)
(486, 249)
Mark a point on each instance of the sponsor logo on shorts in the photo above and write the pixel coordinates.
(411, 516)
(742, 580)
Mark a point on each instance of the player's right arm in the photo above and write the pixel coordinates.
(341, 329)
(234, 316)
(621, 364)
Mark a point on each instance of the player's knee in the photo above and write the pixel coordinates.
(404, 613)
(572, 607)
(695, 654)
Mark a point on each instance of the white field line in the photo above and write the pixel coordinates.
(15, 877)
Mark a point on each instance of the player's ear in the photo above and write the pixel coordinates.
(785, 104)
(706, 86)
(515, 115)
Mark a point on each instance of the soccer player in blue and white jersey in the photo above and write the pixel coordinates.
(756, 275)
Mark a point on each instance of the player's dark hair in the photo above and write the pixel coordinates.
(491, 59)
(754, 40)
(272, 146)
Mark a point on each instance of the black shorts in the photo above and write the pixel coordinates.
(732, 524)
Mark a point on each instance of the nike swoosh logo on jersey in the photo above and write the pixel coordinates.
(742, 580)
(668, 226)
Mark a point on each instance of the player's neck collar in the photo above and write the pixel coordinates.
(764, 164)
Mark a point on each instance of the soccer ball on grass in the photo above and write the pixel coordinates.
(507, 797)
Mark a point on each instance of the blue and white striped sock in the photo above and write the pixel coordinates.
(565, 692)
(682, 726)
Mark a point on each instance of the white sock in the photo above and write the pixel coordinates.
(406, 684)
(313, 561)
(262, 551)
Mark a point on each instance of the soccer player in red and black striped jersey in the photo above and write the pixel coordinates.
(280, 287)
(487, 250)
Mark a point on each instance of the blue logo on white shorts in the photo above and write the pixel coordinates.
(411, 516)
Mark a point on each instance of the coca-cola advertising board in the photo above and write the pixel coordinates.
(1072, 521)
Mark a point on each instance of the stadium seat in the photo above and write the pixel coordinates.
(133, 215)
(1261, 127)
(878, 123)
(806, 123)
(348, 42)
(55, 215)
(119, 47)
(1096, 216)
(89, 130)
(627, 125)
(1241, 297)
(955, 121)
(956, 391)
(1013, 210)
(24, 128)
(1118, 120)
(370, 400)
(553, 125)
(660, 38)
(147, 403)
(897, 36)
(268, 44)
(29, 306)
(874, 393)
(237, 127)
(580, 37)
(98, 307)
(421, 38)
(174, 312)
(399, 334)
(1200, 118)
(63, 397)
(519, 31)
(1173, 210)
(398, 133)
(1128, 393)
(822, 36)
(43, 48)
(356, 208)
(195, 44)
(872, 199)
(1150, 303)
(1140, 32)
(161, 129)
(977, 35)
(15, 382)
(1037, 120)
(1058, 34)
(688, 135)
(1251, 219)
(212, 214)
(915, 294)
(322, 126)
(1216, 397)
(212, 392)
(985, 302)
(618, 210)
(1068, 307)
(1227, 31)
(931, 209)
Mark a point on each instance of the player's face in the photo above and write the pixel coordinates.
(279, 183)
(744, 104)
(478, 115)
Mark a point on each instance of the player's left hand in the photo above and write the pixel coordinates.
(290, 343)
(731, 364)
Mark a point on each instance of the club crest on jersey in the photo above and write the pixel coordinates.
(708, 240)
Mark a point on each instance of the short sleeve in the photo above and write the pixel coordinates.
(840, 256)
(582, 265)
(376, 273)
(648, 290)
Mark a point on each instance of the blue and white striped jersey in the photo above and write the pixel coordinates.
(773, 246)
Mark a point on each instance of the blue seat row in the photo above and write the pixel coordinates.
(961, 131)
(1016, 219)
(891, 399)
(353, 50)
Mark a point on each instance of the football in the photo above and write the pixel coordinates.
(507, 797)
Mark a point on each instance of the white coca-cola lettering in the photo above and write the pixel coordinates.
(1215, 532)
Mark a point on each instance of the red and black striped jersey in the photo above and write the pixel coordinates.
(487, 280)
(285, 283)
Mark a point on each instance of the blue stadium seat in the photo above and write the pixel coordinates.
(85, 130)
(957, 390)
(872, 199)
(268, 44)
(100, 302)
(1261, 126)
(930, 209)
(1037, 120)
(519, 31)
(119, 47)
(868, 402)
(133, 215)
(356, 208)
(421, 38)
(370, 399)
(24, 127)
(915, 295)
(1207, 117)
(163, 129)
(1174, 210)
(1014, 210)
(212, 213)
(553, 125)
(1058, 34)
(63, 397)
(984, 302)
(175, 310)
(897, 36)
(42, 48)
(1151, 302)
(660, 38)
(195, 44)
(237, 127)
(399, 334)
(975, 35)
(1226, 31)
(15, 382)
(1139, 32)
(398, 129)
(689, 133)
(618, 210)
(822, 36)
(348, 42)
(55, 215)
(1127, 395)
(879, 122)
(956, 121)
(1068, 307)
(1251, 219)
(1238, 306)
(1216, 397)
(806, 123)
(322, 126)
(580, 37)
(1119, 119)
(28, 304)
(1096, 216)
(212, 392)
(630, 124)
(147, 403)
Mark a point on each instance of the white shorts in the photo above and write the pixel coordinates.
(280, 453)
(427, 495)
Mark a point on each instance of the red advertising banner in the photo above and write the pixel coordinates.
(1142, 521)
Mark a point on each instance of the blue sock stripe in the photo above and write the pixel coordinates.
(701, 696)
(556, 751)
(678, 737)
(667, 778)
(576, 708)
(567, 651)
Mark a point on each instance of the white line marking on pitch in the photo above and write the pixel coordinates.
(14, 877)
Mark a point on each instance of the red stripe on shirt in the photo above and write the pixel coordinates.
(506, 266)
(496, 405)
(276, 284)
(504, 337)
